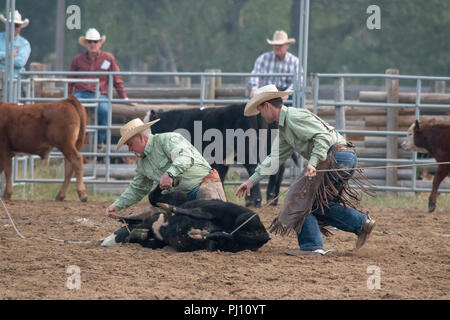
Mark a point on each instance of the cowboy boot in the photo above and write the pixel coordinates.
(367, 228)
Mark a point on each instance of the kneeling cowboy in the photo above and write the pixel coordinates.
(316, 199)
(164, 158)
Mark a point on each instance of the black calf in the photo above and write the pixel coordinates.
(194, 225)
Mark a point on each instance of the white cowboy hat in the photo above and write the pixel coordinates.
(17, 19)
(263, 94)
(91, 34)
(132, 128)
(280, 37)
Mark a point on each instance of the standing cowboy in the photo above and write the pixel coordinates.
(279, 60)
(326, 199)
(94, 59)
(162, 159)
(22, 48)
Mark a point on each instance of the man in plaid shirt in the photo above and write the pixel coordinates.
(277, 61)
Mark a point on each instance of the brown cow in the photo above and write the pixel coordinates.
(36, 129)
(434, 138)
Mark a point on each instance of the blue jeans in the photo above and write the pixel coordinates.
(345, 219)
(192, 195)
(102, 112)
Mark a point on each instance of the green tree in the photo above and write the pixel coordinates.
(194, 35)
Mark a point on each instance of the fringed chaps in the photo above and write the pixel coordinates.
(306, 194)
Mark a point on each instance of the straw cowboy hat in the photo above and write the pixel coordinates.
(263, 94)
(132, 128)
(280, 37)
(17, 19)
(91, 34)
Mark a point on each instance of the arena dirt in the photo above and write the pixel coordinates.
(408, 253)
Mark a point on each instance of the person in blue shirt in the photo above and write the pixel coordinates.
(22, 48)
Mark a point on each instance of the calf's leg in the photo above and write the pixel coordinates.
(5, 165)
(255, 192)
(273, 189)
(73, 163)
(270, 188)
(442, 172)
(79, 172)
(68, 171)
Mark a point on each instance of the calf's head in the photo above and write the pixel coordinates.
(413, 140)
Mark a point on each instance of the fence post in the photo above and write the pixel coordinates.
(218, 79)
(392, 125)
(39, 86)
(438, 86)
(185, 82)
(339, 111)
(210, 85)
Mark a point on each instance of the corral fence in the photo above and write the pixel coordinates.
(38, 85)
(378, 122)
(375, 123)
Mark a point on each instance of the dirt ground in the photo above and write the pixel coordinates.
(407, 257)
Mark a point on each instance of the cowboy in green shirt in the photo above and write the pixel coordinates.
(304, 132)
(163, 157)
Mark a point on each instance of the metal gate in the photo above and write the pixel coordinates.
(339, 105)
(30, 78)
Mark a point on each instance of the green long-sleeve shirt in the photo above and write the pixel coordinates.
(166, 152)
(300, 131)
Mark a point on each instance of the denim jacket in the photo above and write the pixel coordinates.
(23, 53)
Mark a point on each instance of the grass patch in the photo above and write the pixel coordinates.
(48, 191)
(407, 201)
(382, 200)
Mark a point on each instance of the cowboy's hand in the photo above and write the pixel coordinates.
(166, 182)
(111, 212)
(310, 171)
(246, 186)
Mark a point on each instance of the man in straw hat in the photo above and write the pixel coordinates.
(279, 60)
(317, 199)
(22, 48)
(164, 158)
(94, 59)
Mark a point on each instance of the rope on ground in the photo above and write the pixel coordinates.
(71, 241)
(10, 219)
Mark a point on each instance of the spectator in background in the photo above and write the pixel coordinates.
(279, 60)
(22, 48)
(96, 60)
